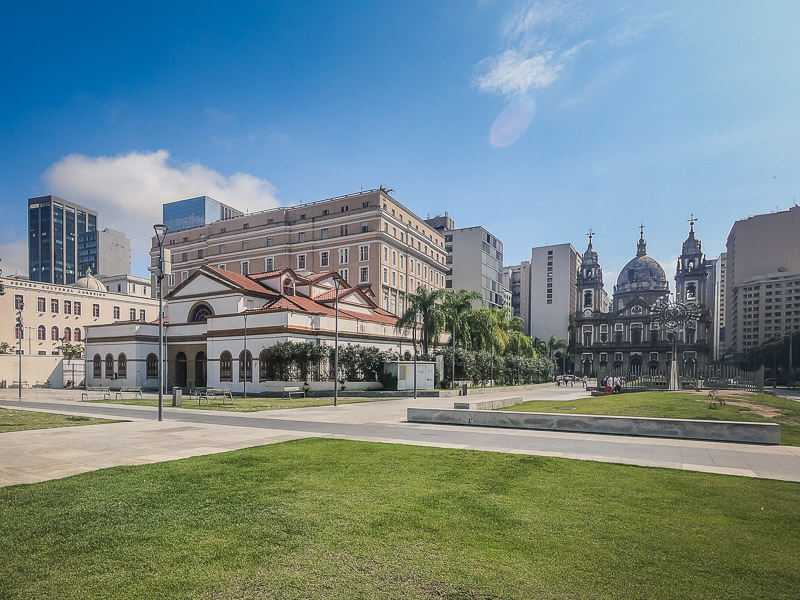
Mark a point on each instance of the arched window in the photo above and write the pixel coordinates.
(587, 298)
(245, 366)
(77, 334)
(587, 338)
(122, 366)
(18, 331)
(41, 333)
(225, 366)
(636, 335)
(288, 286)
(67, 334)
(109, 366)
(97, 364)
(152, 366)
(262, 365)
(691, 291)
(200, 313)
(54, 333)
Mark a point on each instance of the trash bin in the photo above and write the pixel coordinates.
(177, 396)
(464, 390)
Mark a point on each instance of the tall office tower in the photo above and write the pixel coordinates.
(475, 258)
(369, 238)
(553, 290)
(196, 212)
(53, 229)
(720, 275)
(105, 252)
(762, 280)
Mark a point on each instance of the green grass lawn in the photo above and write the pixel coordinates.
(682, 405)
(22, 420)
(249, 404)
(340, 519)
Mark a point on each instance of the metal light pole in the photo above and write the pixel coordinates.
(453, 362)
(244, 356)
(19, 351)
(336, 345)
(161, 232)
(415, 354)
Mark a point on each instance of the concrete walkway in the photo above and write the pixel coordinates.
(29, 456)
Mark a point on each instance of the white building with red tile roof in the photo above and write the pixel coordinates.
(220, 322)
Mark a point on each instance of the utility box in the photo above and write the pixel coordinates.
(177, 396)
(404, 371)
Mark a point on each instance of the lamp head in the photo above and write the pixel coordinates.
(161, 232)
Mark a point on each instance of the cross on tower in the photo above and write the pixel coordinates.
(641, 231)
(692, 221)
(591, 235)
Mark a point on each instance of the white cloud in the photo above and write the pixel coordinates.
(128, 190)
(14, 255)
(513, 72)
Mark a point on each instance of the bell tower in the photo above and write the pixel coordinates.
(592, 297)
(691, 273)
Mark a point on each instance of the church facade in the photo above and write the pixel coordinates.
(621, 335)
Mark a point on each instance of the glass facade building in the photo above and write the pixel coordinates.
(54, 226)
(196, 212)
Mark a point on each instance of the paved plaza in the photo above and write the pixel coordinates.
(39, 455)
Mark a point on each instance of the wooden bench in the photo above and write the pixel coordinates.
(293, 389)
(213, 393)
(136, 391)
(106, 392)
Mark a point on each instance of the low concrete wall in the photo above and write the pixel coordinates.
(723, 431)
(487, 404)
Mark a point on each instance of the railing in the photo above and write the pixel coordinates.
(717, 377)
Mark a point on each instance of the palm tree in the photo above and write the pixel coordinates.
(555, 345)
(424, 306)
(456, 305)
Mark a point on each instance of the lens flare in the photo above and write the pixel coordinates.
(511, 123)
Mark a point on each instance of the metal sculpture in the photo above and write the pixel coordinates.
(673, 318)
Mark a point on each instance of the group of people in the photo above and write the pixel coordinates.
(569, 380)
(611, 384)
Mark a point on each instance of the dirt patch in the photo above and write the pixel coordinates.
(768, 412)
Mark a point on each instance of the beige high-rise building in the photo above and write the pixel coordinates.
(762, 279)
(553, 290)
(369, 238)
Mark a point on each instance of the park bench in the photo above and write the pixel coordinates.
(293, 389)
(24, 384)
(105, 391)
(213, 393)
(136, 391)
(43, 384)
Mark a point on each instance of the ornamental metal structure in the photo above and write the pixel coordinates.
(675, 317)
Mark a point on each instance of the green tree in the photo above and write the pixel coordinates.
(424, 307)
(70, 350)
(5, 348)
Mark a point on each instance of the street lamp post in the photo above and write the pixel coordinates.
(161, 232)
(244, 355)
(415, 354)
(21, 329)
(336, 345)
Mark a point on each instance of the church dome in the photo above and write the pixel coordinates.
(90, 282)
(642, 273)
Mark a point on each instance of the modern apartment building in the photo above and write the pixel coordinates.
(106, 252)
(715, 300)
(54, 227)
(196, 212)
(763, 256)
(469, 248)
(517, 280)
(553, 290)
(368, 237)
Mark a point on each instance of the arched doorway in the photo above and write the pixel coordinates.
(180, 370)
(636, 366)
(587, 367)
(200, 369)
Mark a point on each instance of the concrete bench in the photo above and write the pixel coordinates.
(213, 393)
(136, 391)
(293, 389)
(104, 390)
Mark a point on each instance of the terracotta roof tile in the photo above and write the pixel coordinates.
(242, 281)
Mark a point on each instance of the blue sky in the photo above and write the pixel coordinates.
(537, 120)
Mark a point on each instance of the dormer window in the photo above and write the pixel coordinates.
(637, 310)
(288, 286)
